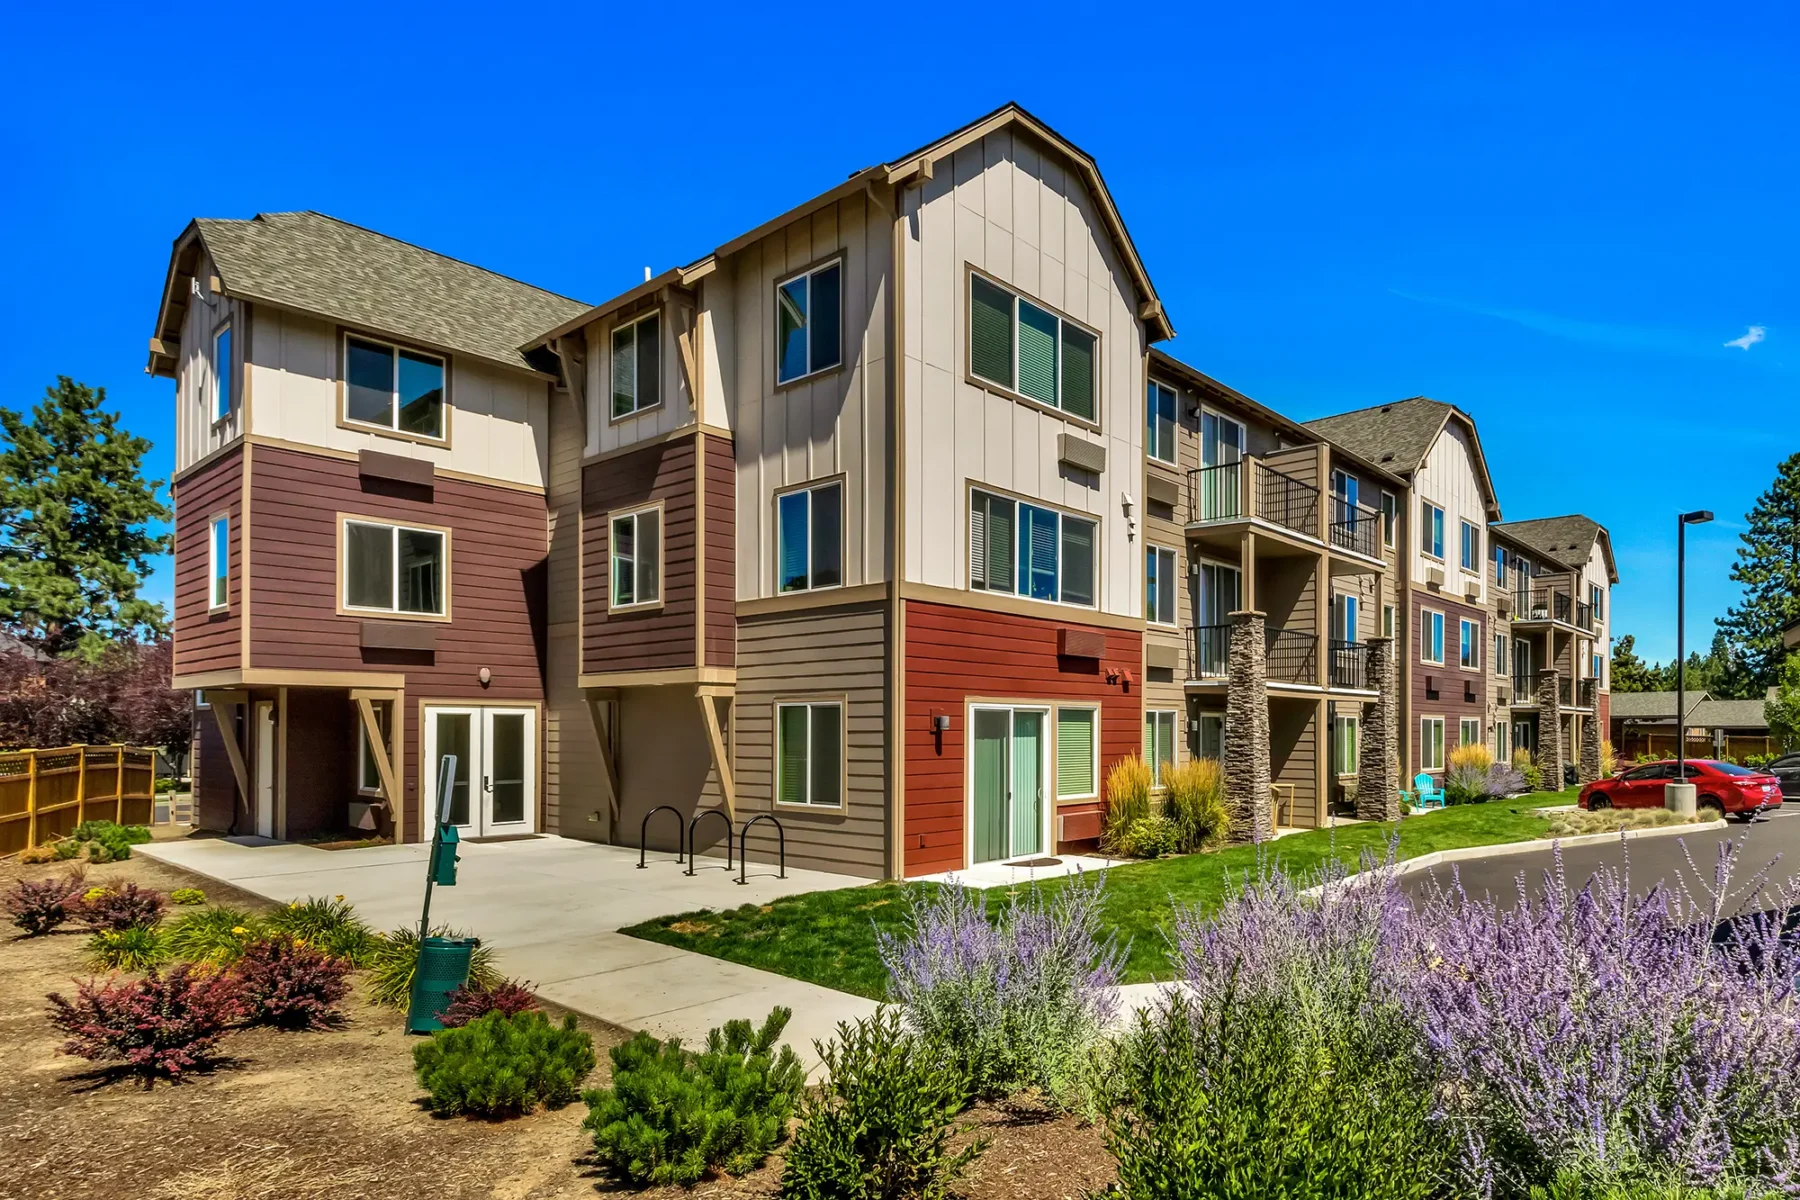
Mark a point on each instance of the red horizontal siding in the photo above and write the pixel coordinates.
(207, 640)
(721, 552)
(650, 639)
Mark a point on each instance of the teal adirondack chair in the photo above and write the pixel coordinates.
(1430, 795)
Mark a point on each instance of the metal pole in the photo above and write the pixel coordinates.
(1681, 647)
(446, 784)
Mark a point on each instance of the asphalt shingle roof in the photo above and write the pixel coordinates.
(1651, 706)
(319, 264)
(1731, 714)
(1397, 436)
(1568, 540)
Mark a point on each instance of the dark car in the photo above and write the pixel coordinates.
(1787, 769)
(1724, 787)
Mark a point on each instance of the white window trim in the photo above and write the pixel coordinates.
(223, 376)
(1388, 532)
(1013, 390)
(1475, 632)
(214, 603)
(1462, 729)
(809, 703)
(807, 274)
(1425, 615)
(811, 486)
(442, 437)
(1061, 514)
(1174, 715)
(1175, 431)
(1094, 757)
(1174, 620)
(394, 528)
(637, 392)
(612, 554)
(1425, 532)
(1425, 741)
(1390, 621)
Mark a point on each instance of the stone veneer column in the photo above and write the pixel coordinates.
(1550, 747)
(1378, 759)
(1588, 769)
(1246, 752)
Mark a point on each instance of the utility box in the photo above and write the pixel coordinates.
(444, 858)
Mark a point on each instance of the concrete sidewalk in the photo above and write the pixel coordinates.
(550, 908)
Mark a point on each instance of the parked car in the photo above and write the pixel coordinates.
(1787, 769)
(1725, 787)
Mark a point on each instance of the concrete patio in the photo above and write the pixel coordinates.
(550, 907)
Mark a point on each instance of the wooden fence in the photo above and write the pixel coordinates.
(44, 794)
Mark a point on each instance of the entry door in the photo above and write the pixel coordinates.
(265, 768)
(495, 780)
(1007, 774)
(1221, 445)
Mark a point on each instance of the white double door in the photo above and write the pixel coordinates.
(495, 786)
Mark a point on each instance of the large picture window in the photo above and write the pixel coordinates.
(809, 323)
(1159, 432)
(637, 365)
(1468, 731)
(395, 569)
(1031, 551)
(395, 389)
(809, 753)
(810, 550)
(1029, 350)
(1159, 585)
(218, 560)
(636, 553)
(1077, 731)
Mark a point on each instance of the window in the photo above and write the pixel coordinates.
(1431, 519)
(1076, 752)
(1212, 735)
(401, 390)
(808, 323)
(1521, 569)
(1500, 564)
(1344, 734)
(1390, 525)
(810, 554)
(1471, 547)
(1387, 620)
(1030, 350)
(1159, 434)
(1344, 487)
(1599, 667)
(637, 558)
(1431, 743)
(1500, 656)
(637, 366)
(368, 775)
(1502, 750)
(200, 698)
(1051, 556)
(1596, 600)
(809, 754)
(222, 374)
(1470, 645)
(1468, 731)
(218, 562)
(1159, 585)
(1159, 742)
(1346, 625)
(1431, 637)
(391, 568)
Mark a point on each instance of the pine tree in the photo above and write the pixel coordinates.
(1782, 712)
(1768, 567)
(1631, 673)
(75, 515)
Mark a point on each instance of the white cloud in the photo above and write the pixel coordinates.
(1753, 335)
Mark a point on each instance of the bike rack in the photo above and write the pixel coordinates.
(680, 846)
(693, 851)
(744, 846)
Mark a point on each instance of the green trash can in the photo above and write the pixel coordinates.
(443, 967)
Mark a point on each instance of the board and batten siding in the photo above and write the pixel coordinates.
(1450, 480)
(208, 640)
(197, 375)
(819, 653)
(675, 407)
(654, 637)
(1018, 213)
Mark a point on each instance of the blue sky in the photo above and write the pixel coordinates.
(1554, 218)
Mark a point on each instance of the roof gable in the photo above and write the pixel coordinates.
(1400, 436)
(1568, 540)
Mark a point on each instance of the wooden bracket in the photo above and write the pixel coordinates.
(686, 328)
(709, 713)
(217, 702)
(383, 765)
(603, 731)
(574, 364)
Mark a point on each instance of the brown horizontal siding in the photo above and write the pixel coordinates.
(1450, 677)
(322, 728)
(206, 640)
(649, 639)
(216, 800)
(721, 553)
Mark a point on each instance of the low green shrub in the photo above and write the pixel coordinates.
(66, 849)
(187, 896)
(1150, 836)
(881, 1126)
(215, 936)
(108, 841)
(392, 959)
(331, 925)
(133, 948)
(501, 1065)
(166, 783)
(671, 1115)
(1571, 1186)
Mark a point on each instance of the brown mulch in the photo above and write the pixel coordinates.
(307, 1116)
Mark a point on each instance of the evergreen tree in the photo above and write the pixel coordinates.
(1768, 567)
(1631, 673)
(75, 514)
(1783, 711)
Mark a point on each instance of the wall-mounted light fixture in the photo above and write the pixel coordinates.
(486, 676)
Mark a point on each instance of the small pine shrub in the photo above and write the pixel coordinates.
(120, 907)
(66, 849)
(881, 1126)
(133, 948)
(500, 1064)
(672, 1115)
(1473, 755)
(37, 906)
(94, 831)
(1150, 836)
(329, 924)
(1127, 798)
(187, 896)
(393, 958)
(159, 1027)
(472, 1003)
(1195, 802)
(284, 982)
(215, 936)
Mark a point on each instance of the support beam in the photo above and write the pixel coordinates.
(715, 737)
(570, 350)
(685, 340)
(603, 731)
(232, 750)
(384, 766)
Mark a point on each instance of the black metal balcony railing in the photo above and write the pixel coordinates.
(1349, 665)
(1549, 604)
(1565, 692)
(1524, 689)
(1288, 502)
(1585, 696)
(1212, 652)
(1355, 527)
(1584, 616)
(1216, 493)
(1293, 656)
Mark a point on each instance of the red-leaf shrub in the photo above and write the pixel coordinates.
(39, 905)
(469, 1002)
(285, 982)
(161, 1025)
(119, 907)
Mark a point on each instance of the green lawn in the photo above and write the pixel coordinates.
(829, 937)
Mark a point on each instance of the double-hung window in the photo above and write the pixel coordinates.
(1159, 585)
(1431, 637)
(637, 365)
(222, 373)
(218, 562)
(1077, 752)
(394, 389)
(1499, 564)
(1471, 547)
(1029, 350)
(1344, 746)
(1501, 667)
(1159, 433)
(809, 323)
(395, 569)
(1595, 600)
(636, 553)
(1390, 512)
(1431, 524)
(1470, 645)
(1468, 731)
(809, 753)
(1029, 550)
(810, 554)
(1599, 668)
(1431, 743)
(1159, 742)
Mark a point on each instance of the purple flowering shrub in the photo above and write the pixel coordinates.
(1018, 1003)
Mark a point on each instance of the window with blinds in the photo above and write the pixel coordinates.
(810, 540)
(809, 753)
(637, 365)
(1076, 753)
(1028, 349)
(1159, 743)
(1051, 558)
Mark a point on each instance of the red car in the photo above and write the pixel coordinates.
(1721, 786)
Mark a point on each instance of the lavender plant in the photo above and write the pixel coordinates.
(1020, 1003)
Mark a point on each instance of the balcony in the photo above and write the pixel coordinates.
(1355, 527)
(1552, 599)
(1249, 488)
(1288, 502)
(1211, 651)
(1350, 666)
(1293, 656)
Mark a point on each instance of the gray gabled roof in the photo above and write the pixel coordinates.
(1730, 714)
(1568, 540)
(1397, 435)
(1652, 706)
(329, 268)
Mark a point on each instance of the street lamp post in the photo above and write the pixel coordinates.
(1678, 793)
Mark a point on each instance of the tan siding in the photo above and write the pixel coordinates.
(1294, 752)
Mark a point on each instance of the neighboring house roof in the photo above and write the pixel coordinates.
(319, 265)
(1651, 706)
(1730, 714)
(1790, 637)
(13, 644)
(917, 162)
(1399, 436)
(1567, 540)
